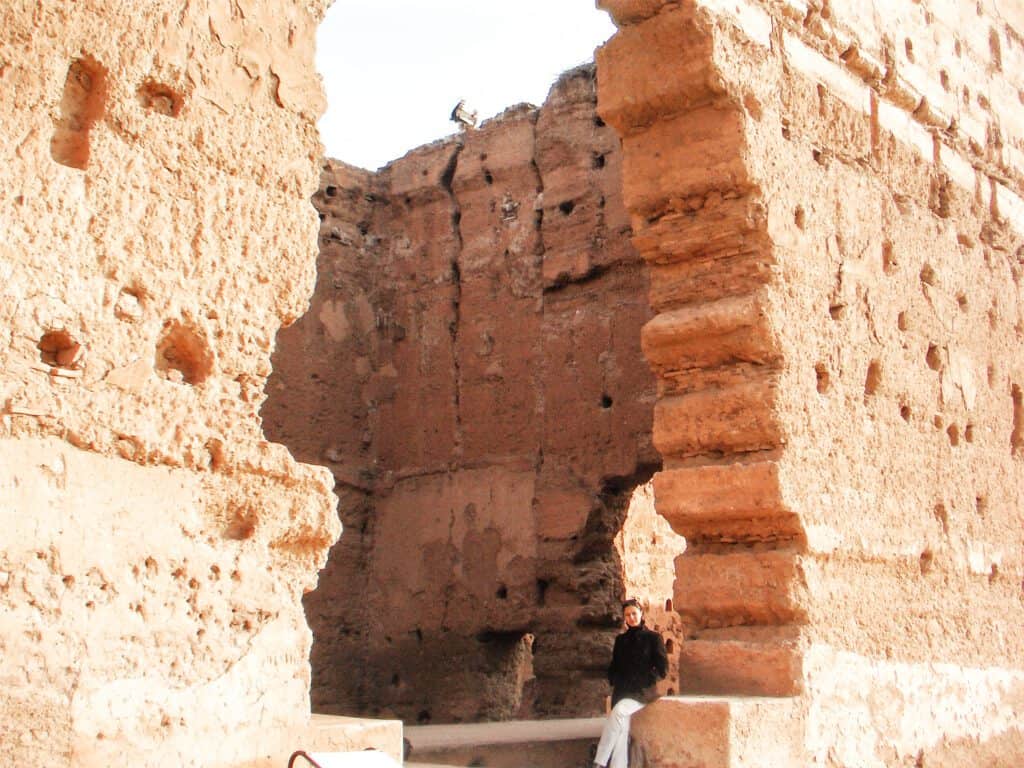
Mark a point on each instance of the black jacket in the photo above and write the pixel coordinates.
(639, 660)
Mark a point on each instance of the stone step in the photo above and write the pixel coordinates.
(718, 732)
(331, 733)
(516, 744)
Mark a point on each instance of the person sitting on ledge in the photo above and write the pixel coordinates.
(639, 660)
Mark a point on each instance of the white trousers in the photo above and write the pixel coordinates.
(614, 743)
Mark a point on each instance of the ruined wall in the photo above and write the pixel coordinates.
(155, 233)
(471, 371)
(830, 198)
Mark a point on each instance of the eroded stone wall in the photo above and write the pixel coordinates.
(471, 372)
(830, 198)
(155, 233)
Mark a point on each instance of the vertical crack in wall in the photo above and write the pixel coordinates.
(539, 372)
(447, 179)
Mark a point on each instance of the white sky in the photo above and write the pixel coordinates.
(393, 69)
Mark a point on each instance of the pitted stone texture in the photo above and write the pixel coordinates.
(864, 439)
(156, 234)
(471, 369)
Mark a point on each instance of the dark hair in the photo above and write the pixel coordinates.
(632, 602)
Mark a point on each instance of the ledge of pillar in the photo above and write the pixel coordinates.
(719, 732)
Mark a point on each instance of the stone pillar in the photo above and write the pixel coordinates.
(155, 233)
(830, 202)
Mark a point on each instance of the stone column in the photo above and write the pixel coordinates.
(829, 199)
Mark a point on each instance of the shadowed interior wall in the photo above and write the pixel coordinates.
(471, 372)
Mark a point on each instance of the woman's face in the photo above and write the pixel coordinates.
(632, 615)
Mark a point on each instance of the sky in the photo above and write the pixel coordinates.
(394, 69)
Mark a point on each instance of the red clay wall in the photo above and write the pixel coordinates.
(471, 371)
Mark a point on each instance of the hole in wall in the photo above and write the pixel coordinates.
(953, 433)
(905, 412)
(606, 402)
(488, 177)
(873, 380)
(824, 381)
(981, 505)
(330, 191)
(81, 106)
(933, 358)
(160, 98)
(901, 321)
(969, 433)
(888, 260)
(567, 207)
(668, 605)
(599, 160)
(59, 348)
(182, 355)
(942, 515)
(800, 216)
(908, 47)
(926, 562)
(928, 275)
(670, 646)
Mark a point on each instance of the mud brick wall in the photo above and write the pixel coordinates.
(471, 372)
(830, 199)
(155, 233)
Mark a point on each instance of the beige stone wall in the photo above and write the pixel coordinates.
(155, 233)
(830, 197)
(471, 371)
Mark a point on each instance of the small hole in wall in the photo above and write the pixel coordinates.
(944, 79)
(542, 591)
(927, 562)
(668, 605)
(81, 106)
(567, 207)
(395, 680)
(933, 358)
(901, 321)
(928, 276)
(160, 98)
(888, 260)
(953, 433)
(670, 646)
(905, 412)
(942, 516)
(606, 402)
(837, 311)
(488, 177)
(182, 355)
(598, 122)
(785, 130)
(330, 190)
(599, 160)
(59, 348)
(937, 422)
(969, 433)
(961, 301)
(423, 716)
(993, 573)
(800, 216)
(874, 378)
(502, 592)
(322, 216)
(823, 378)
(981, 505)
(908, 46)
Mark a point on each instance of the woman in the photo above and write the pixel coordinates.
(639, 660)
